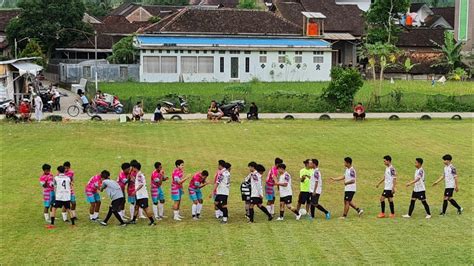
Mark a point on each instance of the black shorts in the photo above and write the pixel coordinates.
(117, 204)
(448, 192)
(418, 195)
(315, 199)
(59, 204)
(287, 199)
(143, 203)
(348, 195)
(304, 198)
(222, 199)
(245, 197)
(256, 200)
(387, 194)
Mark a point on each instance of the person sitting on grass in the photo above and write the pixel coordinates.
(25, 112)
(235, 115)
(359, 112)
(158, 115)
(253, 112)
(10, 112)
(214, 113)
(137, 112)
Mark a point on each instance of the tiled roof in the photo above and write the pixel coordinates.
(223, 3)
(420, 37)
(446, 12)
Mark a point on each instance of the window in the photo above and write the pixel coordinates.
(188, 64)
(86, 72)
(221, 64)
(205, 52)
(151, 64)
(181, 51)
(282, 59)
(298, 59)
(318, 52)
(152, 51)
(281, 52)
(263, 52)
(197, 51)
(247, 64)
(159, 51)
(189, 51)
(206, 64)
(263, 59)
(247, 52)
(234, 52)
(221, 52)
(169, 64)
(318, 59)
(298, 52)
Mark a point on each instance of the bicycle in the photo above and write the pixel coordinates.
(75, 110)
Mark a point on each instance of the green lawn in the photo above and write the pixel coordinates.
(92, 147)
(292, 96)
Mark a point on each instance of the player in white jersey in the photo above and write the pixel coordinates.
(418, 190)
(315, 190)
(390, 180)
(141, 193)
(222, 189)
(256, 193)
(62, 189)
(349, 178)
(450, 177)
(286, 193)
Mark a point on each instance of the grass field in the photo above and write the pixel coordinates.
(92, 147)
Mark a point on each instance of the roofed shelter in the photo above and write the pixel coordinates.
(15, 76)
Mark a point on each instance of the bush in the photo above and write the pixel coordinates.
(345, 82)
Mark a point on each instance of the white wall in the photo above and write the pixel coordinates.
(271, 71)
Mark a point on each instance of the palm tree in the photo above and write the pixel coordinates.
(451, 50)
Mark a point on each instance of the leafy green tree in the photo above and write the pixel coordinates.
(345, 82)
(49, 22)
(123, 52)
(380, 19)
(451, 49)
(33, 49)
(247, 4)
(98, 8)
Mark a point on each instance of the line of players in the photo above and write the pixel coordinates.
(58, 191)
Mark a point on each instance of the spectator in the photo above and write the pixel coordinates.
(214, 113)
(253, 112)
(24, 109)
(10, 112)
(38, 103)
(359, 112)
(56, 98)
(85, 101)
(235, 115)
(158, 116)
(137, 112)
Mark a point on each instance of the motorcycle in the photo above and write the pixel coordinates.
(169, 107)
(109, 103)
(4, 105)
(227, 108)
(47, 102)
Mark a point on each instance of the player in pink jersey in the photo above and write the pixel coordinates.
(70, 173)
(93, 196)
(46, 181)
(177, 188)
(270, 186)
(197, 182)
(122, 180)
(157, 195)
(220, 167)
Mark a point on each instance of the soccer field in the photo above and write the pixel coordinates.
(92, 147)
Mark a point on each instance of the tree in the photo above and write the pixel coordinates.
(33, 49)
(345, 82)
(451, 49)
(123, 52)
(380, 19)
(98, 8)
(49, 22)
(247, 4)
(408, 66)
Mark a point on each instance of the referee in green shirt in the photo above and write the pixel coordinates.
(305, 176)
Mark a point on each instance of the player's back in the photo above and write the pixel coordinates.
(62, 184)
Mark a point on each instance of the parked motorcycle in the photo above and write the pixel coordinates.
(227, 108)
(169, 107)
(109, 103)
(47, 102)
(4, 105)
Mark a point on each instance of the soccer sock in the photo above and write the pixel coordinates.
(273, 209)
(161, 209)
(193, 209)
(152, 220)
(225, 212)
(91, 216)
(52, 220)
(321, 208)
(312, 210)
(382, 206)
(251, 214)
(46, 217)
(132, 210)
(295, 211)
(427, 207)
(455, 204)
(109, 214)
(176, 213)
(269, 208)
(96, 215)
(119, 218)
(392, 207)
(199, 208)
(155, 210)
(73, 220)
(445, 206)
(217, 213)
(412, 207)
(282, 213)
(220, 213)
(264, 210)
(64, 215)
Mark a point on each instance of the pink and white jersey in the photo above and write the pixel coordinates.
(195, 182)
(270, 182)
(216, 177)
(122, 179)
(46, 182)
(131, 183)
(94, 184)
(175, 185)
(157, 179)
(70, 174)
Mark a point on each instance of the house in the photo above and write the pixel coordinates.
(216, 3)
(134, 12)
(464, 24)
(15, 76)
(5, 17)
(343, 26)
(207, 45)
(363, 5)
(424, 16)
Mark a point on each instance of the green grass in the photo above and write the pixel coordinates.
(294, 96)
(92, 147)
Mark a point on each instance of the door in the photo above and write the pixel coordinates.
(234, 68)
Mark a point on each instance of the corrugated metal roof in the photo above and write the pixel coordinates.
(313, 14)
(339, 36)
(237, 42)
